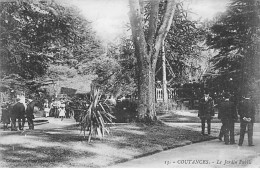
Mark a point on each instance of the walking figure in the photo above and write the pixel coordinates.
(228, 115)
(246, 111)
(206, 111)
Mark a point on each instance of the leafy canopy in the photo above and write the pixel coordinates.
(35, 34)
(236, 37)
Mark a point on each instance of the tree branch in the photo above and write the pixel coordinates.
(136, 19)
(152, 24)
(164, 29)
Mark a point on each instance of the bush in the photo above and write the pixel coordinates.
(125, 111)
(95, 118)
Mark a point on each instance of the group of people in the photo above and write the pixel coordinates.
(56, 108)
(18, 111)
(228, 112)
(21, 109)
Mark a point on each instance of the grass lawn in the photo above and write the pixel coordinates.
(60, 144)
(187, 116)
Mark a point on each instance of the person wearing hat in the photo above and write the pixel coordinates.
(18, 112)
(228, 115)
(29, 113)
(246, 110)
(206, 111)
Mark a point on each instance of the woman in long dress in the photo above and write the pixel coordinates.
(46, 108)
(62, 111)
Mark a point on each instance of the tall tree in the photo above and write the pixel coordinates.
(183, 46)
(115, 69)
(36, 33)
(236, 38)
(147, 48)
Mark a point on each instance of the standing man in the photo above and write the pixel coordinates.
(246, 111)
(13, 115)
(29, 113)
(222, 129)
(206, 111)
(5, 115)
(228, 115)
(19, 113)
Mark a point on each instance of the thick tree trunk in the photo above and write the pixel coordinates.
(146, 107)
(146, 52)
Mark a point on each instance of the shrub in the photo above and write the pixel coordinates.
(125, 111)
(96, 117)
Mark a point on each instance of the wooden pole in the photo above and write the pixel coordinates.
(164, 82)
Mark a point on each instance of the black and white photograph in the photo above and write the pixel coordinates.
(129, 84)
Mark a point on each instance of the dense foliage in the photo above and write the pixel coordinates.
(35, 34)
(183, 46)
(124, 80)
(236, 38)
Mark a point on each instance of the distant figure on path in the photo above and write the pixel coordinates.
(228, 115)
(62, 111)
(56, 105)
(19, 113)
(206, 111)
(246, 111)
(13, 116)
(29, 113)
(46, 108)
(5, 115)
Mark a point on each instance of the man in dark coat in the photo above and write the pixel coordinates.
(19, 113)
(13, 117)
(206, 111)
(246, 111)
(228, 115)
(5, 115)
(29, 113)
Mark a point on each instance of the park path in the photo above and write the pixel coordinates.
(208, 154)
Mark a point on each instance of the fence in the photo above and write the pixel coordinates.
(159, 94)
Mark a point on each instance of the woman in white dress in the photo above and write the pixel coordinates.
(62, 111)
(46, 108)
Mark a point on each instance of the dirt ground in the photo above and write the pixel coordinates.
(60, 143)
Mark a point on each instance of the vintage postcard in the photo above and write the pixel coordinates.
(129, 84)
